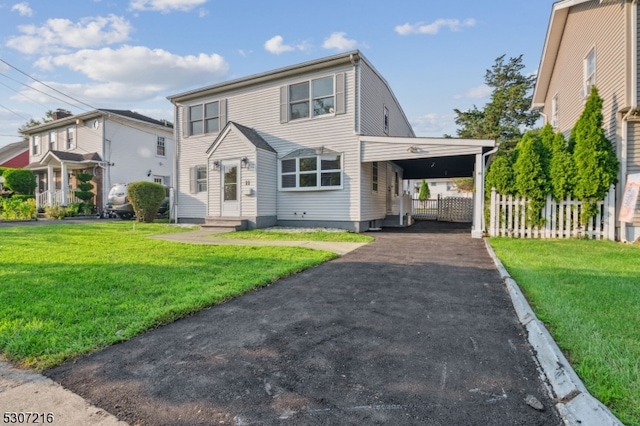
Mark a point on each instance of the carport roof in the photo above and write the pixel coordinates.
(426, 158)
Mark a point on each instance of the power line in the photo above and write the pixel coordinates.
(22, 94)
(13, 112)
(38, 90)
(46, 85)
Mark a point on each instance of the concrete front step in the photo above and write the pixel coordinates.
(232, 223)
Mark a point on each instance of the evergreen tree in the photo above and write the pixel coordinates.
(562, 170)
(500, 175)
(424, 191)
(595, 161)
(531, 173)
(508, 111)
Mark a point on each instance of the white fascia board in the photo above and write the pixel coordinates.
(429, 141)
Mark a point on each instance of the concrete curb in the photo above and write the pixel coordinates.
(575, 404)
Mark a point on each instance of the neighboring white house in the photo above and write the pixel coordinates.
(439, 187)
(314, 144)
(116, 146)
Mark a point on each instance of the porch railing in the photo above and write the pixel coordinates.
(57, 198)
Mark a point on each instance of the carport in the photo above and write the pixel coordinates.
(428, 158)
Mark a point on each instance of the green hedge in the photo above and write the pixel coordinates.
(145, 198)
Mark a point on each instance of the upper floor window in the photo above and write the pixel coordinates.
(35, 144)
(311, 172)
(589, 72)
(160, 147)
(554, 112)
(70, 132)
(204, 118)
(386, 120)
(311, 98)
(52, 141)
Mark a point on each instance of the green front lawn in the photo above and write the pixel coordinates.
(295, 235)
(588, 295)
(66, 290)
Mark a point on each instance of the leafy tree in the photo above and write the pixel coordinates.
(500, 174)
(531, 172)
(464, 184)
(595, 161)
(145, 198)
(561, 170)
(508, 112)
(32, 123)
(21, 181)
(424, 191)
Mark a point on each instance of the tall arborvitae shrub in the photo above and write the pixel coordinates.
(562, 171)
(595, 161)
(424, 191)
(531, 174)
(500, 175)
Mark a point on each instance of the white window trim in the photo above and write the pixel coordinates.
(375, 178)
(311, 99)
(554, 111)
(35, 145)
(202, 181)
(164, 146)
(318, 172)
(589, 79)
(69, 136)
(385, 120)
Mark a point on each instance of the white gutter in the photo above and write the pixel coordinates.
(176, 151)
(624, 148)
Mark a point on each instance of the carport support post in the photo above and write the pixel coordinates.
(478, 201)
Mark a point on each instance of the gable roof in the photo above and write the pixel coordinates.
(555, 30)
(66, 121)
(12, 150)
(249, 134)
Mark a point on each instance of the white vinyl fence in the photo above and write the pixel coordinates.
(561, 219)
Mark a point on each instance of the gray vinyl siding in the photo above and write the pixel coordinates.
(633, 160)
(258, 107)
(598, 26)
(374, 203)
(375, 95)
(267, 183)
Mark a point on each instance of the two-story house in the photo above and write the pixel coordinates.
(595, 43)
(116, 146)
(322, 143)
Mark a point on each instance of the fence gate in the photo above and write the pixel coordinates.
(444, 209)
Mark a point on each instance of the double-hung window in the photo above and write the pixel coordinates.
(554, 112)
(386, 121)
(204, 118)
(52, 140)
(374, 176)
(311, 172)
(589, 72)
(35, 145)
(70, 137)
(312, 98)
(198, 179)
(160, 147)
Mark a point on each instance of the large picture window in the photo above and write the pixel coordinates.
(312, 172)
(204, 118)
(311, 98)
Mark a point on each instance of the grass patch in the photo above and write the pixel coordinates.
(588, 294)
(67, 290)
(267, 235)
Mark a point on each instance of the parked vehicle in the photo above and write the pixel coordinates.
(118, 204)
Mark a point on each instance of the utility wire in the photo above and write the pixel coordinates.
(22, 94)
(46, 85)
(13, 112)
(38, 90)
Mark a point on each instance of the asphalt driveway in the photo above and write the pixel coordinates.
(414, 329)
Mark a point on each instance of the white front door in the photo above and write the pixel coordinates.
(230, 188)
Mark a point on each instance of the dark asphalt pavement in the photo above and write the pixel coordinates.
(416, 328)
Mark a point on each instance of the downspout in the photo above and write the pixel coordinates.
(176, 147)
(632, 110)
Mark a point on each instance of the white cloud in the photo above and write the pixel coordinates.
(478, 92)
(58, 35)
(434, 27)
(22, 8)
(165, 6)
(276, 45)
(136, 72)
(433, 124)
(339, 41)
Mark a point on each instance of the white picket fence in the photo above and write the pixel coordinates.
(561, 219)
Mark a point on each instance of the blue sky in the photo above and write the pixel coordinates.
(132, 54)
